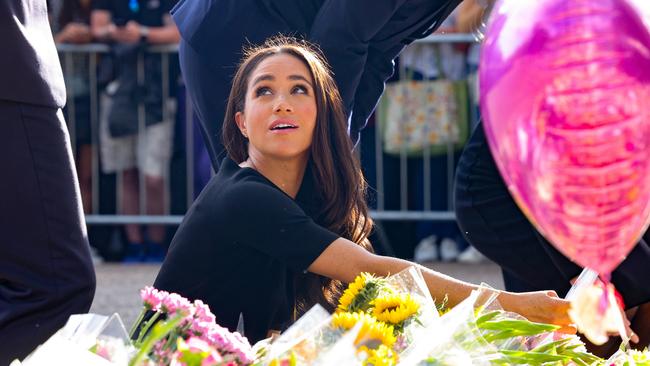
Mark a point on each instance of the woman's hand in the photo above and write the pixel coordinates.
(541, 307)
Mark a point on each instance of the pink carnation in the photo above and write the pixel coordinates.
(231, 343)
(200, 328)
(213, 359)
(152, 298)
(202, 312)
(175, 303)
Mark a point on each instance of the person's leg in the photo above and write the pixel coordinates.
(46, 273)
(84, 169)
(155, 188)
(130, 204)
(84, 150)
(154, 154)
(118, 156)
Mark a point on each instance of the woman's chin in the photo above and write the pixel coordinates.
(286, 152)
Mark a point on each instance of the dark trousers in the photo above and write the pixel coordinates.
(46, 273)
(493, 223)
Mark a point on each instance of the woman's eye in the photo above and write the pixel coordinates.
(300, 89)
(262, 91)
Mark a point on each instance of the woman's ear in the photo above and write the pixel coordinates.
(239, 119)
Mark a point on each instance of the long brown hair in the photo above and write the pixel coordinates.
(341, 186)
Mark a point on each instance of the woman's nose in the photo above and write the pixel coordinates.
(283, 106)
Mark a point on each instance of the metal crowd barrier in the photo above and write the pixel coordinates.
(94, 51)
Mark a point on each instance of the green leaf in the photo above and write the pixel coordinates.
(487, 316)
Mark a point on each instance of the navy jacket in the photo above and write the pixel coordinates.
(359, 38)
(30, 71)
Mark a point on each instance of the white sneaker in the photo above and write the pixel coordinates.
(448, 250)
(426, 250)
(471, 255)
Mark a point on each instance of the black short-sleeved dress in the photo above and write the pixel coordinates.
(240, 246)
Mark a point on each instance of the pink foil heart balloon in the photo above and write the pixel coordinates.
(565, 94)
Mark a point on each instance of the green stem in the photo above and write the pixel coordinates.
(144, 330)
(137, 322)
(159, 331)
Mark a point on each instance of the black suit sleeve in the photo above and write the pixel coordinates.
(344, 29)
(168, 5)
(361, 38)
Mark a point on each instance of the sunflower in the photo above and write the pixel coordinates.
(394, 308)
(371, 329)
(381, 356)
(359, 294)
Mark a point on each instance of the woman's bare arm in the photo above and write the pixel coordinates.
(343, 260)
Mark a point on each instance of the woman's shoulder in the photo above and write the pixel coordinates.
(235, 187)
(252, 189)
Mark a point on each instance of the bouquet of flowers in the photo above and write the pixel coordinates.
(180, 333)
(391, 321)
(170, 330)
(376, 321)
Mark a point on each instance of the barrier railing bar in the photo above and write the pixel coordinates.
(177, 219)
(170, 48)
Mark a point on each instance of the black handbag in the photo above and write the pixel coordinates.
(123, 114)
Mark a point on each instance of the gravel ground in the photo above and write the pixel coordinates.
(118, 285)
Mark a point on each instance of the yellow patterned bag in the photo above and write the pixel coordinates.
(419, 115)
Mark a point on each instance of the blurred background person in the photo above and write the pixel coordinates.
(126, 150)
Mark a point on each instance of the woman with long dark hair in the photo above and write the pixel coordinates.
(284, 222)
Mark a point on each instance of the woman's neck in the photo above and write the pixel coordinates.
(286, 174)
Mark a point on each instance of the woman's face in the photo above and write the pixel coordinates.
(279, 116)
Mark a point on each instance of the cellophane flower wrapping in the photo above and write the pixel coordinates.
(304, 342)
(628, 358)
(377, 320)
(479, 332)
(88, 340)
